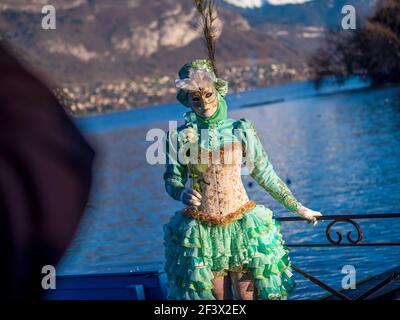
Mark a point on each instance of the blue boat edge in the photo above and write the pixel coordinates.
(137, 285)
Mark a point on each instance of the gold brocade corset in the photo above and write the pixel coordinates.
(219, 181)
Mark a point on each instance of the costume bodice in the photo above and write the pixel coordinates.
(218, 178)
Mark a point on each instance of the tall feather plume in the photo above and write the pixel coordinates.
(208, 18)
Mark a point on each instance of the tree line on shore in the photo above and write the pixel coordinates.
(371, 51)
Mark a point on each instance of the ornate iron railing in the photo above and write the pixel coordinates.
(352, 240)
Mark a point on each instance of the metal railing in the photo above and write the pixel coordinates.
(352, 241)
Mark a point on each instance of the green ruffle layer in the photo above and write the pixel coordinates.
(253, 243)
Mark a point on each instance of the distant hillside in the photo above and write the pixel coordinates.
(99, 41)
(119, 39)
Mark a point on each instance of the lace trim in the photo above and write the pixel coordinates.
(224, 272)
(193, 212)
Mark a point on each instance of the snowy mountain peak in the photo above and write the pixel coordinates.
(259, 3)
(246, 3)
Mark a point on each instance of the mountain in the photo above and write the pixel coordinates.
(322, 13)
(99, 41)
(120, 39)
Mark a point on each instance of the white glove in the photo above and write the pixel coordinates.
(191, 197)
(309, 215)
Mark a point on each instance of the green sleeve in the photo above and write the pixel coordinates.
(175, 175)
(262, 170)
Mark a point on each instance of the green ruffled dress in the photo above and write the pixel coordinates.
(197, 252)
(251, 244)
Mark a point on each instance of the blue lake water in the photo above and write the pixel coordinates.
(341, 152)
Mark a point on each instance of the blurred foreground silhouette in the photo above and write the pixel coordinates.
(45, 178)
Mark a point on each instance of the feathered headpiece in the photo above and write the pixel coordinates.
(197, 79)
(201, 73)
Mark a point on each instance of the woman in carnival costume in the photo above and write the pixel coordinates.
(221, 240)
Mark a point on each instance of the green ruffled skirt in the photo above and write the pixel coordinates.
(196, 252)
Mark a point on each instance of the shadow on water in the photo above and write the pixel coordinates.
(340, 151)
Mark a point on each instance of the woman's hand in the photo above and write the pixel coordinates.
(309, 214)
(191, 197)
